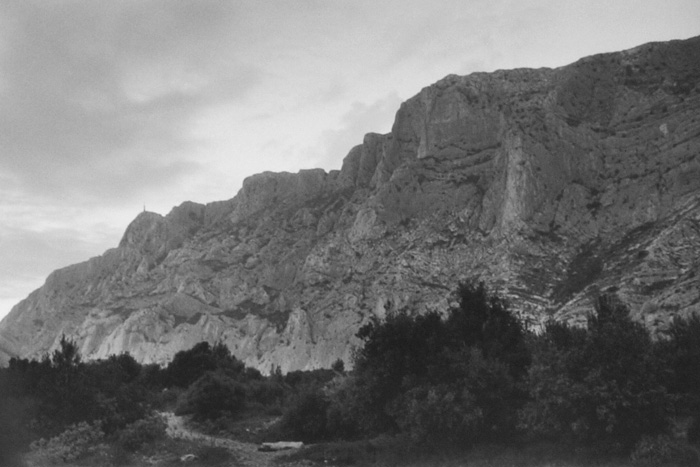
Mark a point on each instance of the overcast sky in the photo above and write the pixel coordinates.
(107, 106)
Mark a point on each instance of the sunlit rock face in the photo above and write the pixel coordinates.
(552, 186)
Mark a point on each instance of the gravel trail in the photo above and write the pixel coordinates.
(247, 454)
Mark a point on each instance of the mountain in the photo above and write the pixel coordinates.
(551, 185)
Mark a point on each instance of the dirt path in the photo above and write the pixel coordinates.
(246, 453)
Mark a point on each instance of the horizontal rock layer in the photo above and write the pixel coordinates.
(551, 185)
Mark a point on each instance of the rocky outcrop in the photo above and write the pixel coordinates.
(552, 185)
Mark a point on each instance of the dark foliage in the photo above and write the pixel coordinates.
(680, 352)
(212, 396)
(141, 432)
(601, 384)
(453, 380)
(485, 322)
(312, 378)
(189, 365)
(60, 391)
(60, 387)
(265, 391)
(306, 418)
(14, 418)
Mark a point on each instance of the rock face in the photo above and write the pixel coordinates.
(551, 185)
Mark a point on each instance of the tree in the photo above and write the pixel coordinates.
(212, 396)
(66, 358)
(455, 379)
(680, 350)
(602, 384)
(189, 365)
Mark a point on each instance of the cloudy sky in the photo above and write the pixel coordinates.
(107, 106)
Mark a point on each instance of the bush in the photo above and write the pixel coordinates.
(306, 419)
(485, 322)
(70, 445)
(398, 354)
(212, 396)
(412, 369)
(602, 384)
(167, 399)
(662, 450)
(552, 412)
(135, 435)
(345, 415)
(680, 351)
(64, 391)
(265, 391)
(12, 428)
(188, 366)
(438, 414)
(694, 430)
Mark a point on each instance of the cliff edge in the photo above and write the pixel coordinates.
(552, 185)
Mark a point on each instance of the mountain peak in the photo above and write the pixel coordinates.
(551, 185)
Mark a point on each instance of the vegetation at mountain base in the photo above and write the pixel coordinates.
(471, 382)
(603, 384)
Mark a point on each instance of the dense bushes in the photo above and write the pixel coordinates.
(306, 418)
(14, 419)
(653, 451)
(601, 384)
(188, 366)
(141, 432)
(74, 443)
(679, 352)
(212, 396)
(441, 380)
(61, 390)
(477, 376)
(444, 379)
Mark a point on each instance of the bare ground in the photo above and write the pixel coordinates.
(247, 454)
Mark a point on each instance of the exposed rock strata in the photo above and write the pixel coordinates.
(551, 185)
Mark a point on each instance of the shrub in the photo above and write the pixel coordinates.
(398, 355)
(662, 450)
(305, 419)
(602, 384)
(338, 366)
(189, 365)
(120, 405)
(346, 415)
(412, 369)
(147, 430)
(485, 322)
(496, 395)
(552, 412)
(13, 436)
(70, 445)
(694, 430)
(438, 413)
(680, 351)
(479, 405)
(212, 396)
(264, 391)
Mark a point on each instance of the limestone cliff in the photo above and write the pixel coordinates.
(550, 184)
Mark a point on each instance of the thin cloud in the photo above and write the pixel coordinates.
(86, 83)
(42, 250)
(361, 119)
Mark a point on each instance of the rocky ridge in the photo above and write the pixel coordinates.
(552, 185)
